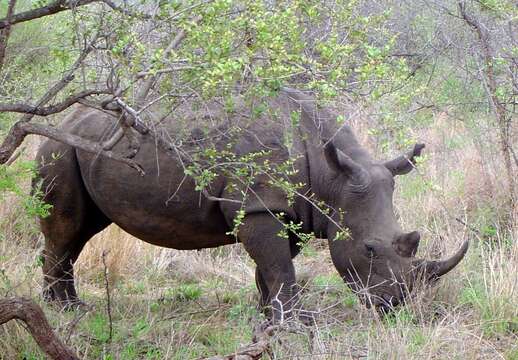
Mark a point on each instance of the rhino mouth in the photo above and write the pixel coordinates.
(383, 304)
(388, 304)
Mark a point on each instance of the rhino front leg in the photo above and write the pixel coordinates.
(263, 289)
(275, 274)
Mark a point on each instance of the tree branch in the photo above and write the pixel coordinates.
(6, 32)
(32, 315)
(53, 109)
(148, 84)
(50, 9)
(21, 129)
(65, 80)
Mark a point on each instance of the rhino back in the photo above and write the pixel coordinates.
(163, 207)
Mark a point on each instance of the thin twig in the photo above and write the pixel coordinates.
(108, 298)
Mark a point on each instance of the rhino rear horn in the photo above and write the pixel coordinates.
(405, 163)
(341, 163)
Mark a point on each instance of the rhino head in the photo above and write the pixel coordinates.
(377, 258)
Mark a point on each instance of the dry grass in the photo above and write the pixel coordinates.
(178, 305)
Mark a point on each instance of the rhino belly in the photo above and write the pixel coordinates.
(161, 207)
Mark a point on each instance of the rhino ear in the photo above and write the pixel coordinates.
(339, 162)
(405, 163)
(406, 245)
(332, 156)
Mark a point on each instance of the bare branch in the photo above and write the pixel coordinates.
(108, 298)
(65, 80)
(113, 140)
(32, 315)
(50, 9)
(6, 32)
(136, 123)
(53, 109)
(164, 71)
(21, 129)
(490, 84)
(148, 84)
(215, 198)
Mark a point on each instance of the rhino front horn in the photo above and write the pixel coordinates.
(436, 269)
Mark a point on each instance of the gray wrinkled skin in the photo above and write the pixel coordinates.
(90, 192)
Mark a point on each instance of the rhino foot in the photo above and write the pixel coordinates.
(64, 303)
(74, 305)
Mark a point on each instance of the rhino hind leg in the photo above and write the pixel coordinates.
(74, 219)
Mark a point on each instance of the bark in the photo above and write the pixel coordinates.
(6, 32)
(32, 315)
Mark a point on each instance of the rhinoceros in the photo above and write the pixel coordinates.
(166, 207)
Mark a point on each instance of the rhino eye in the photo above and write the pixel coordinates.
(370, 251)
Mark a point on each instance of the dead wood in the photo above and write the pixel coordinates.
(32, 315)
(260, 345)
